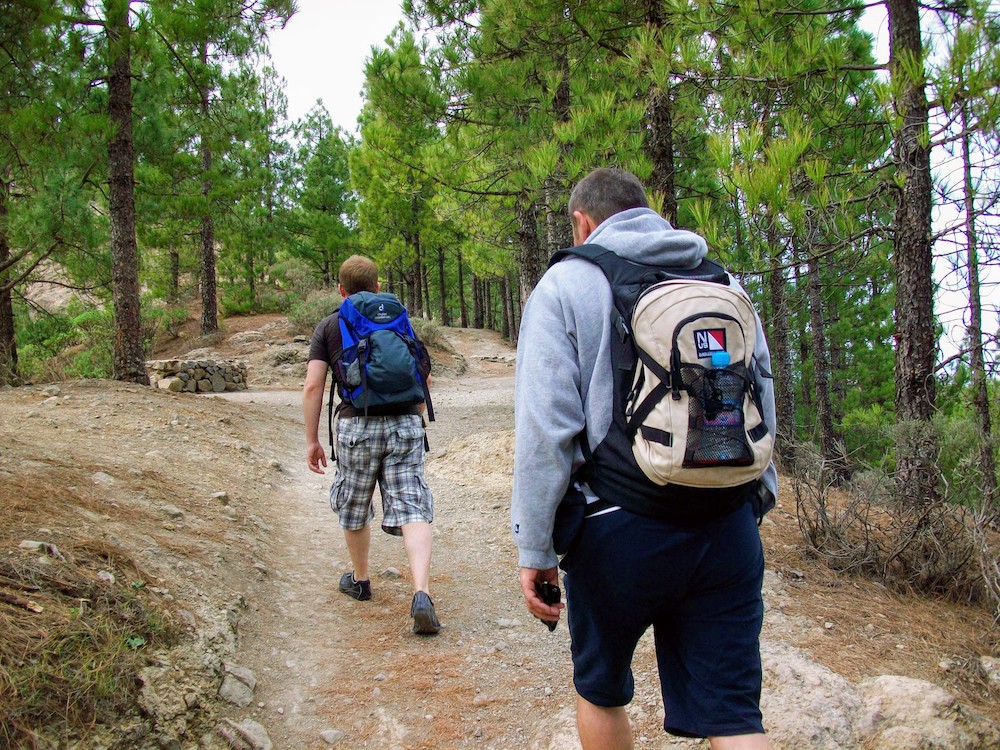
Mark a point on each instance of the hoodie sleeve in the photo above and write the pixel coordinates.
(548, 417)
(765, 386)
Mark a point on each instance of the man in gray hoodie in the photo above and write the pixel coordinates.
(697, 583)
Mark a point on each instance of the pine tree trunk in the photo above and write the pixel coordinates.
(174, 281)
(442, 297)
(463, 313)
(515, 312)
(507, 326)
(528, 249)
(209, 283)
(425, 284)
(829, 440)
(488, 305)
(659, 130)
(8, 342)
(980, 394)
(781, 362)
(659, 148)
(477, 302)
(917, 473)
(558, 229)
(129, 363)
(412, 291)
(252, 277)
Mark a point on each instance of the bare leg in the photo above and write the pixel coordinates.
(417, 541)
(358, 543)
(603, 728)
(740, 742)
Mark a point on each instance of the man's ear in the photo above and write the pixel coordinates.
(343, 292)
(378, 287)
(583, 227)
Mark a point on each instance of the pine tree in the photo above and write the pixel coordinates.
(326, 201)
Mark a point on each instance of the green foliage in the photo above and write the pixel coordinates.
(307, 313)
(237, 300)
(159, 318)
(428, 331)
(95, 336)
(868, 437)
(295, 276)
(74, 344)
(325, 214)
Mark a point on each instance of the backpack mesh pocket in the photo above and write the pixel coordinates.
(716, 424)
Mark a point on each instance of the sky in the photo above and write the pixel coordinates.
(321, 54)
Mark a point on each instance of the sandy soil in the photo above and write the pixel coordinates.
(143, 468)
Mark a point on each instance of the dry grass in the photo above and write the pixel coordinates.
(71, 640)
(76, 615)
(867, 627)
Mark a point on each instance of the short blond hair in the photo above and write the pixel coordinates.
(358, 274)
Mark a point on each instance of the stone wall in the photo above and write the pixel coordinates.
(198, 376)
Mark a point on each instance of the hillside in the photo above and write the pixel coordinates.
(188, 528)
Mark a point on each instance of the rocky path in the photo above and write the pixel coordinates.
(331, 670)
(327, 666)
(210, 501)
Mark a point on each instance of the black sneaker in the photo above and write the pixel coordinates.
(425, 622)
(360, 590)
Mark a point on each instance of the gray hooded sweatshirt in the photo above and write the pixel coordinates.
(563, 379)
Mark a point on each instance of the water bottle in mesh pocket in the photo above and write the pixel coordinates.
(716, 430)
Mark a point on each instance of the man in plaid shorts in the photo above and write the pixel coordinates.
(387, 447)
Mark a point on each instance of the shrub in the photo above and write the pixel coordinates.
(958, 443)
(95, 338)
(158, 318)
(429, 332)
(868, 437)
(296, 277)
(236, 300)
(79, 343)
(305, 314)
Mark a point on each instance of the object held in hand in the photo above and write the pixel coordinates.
(550, 594)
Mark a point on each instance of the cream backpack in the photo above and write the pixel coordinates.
(688, 436)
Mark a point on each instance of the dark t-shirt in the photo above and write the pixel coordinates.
(327, 344)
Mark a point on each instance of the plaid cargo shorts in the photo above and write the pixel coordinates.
(387, 450)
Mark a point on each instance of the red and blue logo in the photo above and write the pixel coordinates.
(708, 340)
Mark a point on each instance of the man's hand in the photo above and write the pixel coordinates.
(315, 455)
(538, 608)
(312, 405)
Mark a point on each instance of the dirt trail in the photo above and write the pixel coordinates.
(212, 499)
(326, 662)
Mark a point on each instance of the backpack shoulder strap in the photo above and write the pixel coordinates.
(628, 278)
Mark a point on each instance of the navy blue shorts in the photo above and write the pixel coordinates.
(699, 587)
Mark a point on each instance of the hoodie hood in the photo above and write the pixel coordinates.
(642, 235)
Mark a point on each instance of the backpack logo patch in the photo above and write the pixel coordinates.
(381, 316)
(708, 340)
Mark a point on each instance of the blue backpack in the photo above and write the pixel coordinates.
(380, 357)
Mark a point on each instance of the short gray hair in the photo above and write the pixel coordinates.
(604, 192)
